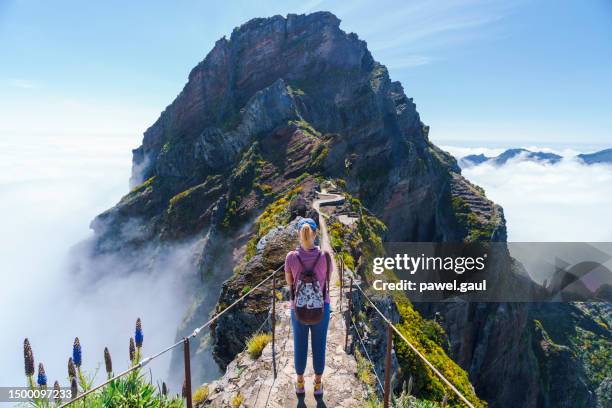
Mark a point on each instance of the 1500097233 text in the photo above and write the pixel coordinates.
(26, 394)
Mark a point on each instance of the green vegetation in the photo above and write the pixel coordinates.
(367, 236)
(275, 214)
(165, 148)
(237, 400)
(147, 184)
(318, 156)
(212, 182)
(414, 328)
(294, 91)
(256, 344)
(581, 329)
(241, 183)
(478, 229)
(305, 127)
(365, 372)
(201, 394)
(133, 391)
(443, 160)
(596, 354)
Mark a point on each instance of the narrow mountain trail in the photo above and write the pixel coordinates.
(254, 379)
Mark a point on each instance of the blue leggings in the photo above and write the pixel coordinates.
(318, 336)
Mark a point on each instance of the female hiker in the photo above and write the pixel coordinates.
(307, 272)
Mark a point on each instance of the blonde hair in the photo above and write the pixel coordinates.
(307, 236)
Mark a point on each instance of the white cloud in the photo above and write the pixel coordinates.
(50, 189)
(568, 201)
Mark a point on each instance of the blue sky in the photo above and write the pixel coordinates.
(483, 72)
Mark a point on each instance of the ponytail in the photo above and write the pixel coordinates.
(307, 237)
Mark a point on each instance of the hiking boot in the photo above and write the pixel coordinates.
(318, 389)
(299, 387)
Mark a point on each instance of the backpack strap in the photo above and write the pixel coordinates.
(300, 260)
(314, 265)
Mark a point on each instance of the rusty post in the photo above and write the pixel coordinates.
(348, 319)
(444, 401)
(189, 402)
(341, 280)
(386, 391)
(273, 322)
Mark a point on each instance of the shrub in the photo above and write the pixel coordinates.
(256, 344)
(201, 394)
(237, 400)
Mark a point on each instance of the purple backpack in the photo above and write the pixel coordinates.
(308, 296)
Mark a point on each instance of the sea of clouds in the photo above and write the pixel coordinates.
(564, 202)
(51, 187)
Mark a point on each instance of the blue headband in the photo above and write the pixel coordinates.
(309, 221)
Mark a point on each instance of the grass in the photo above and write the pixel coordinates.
(305, 127)
(419, 332)
(237, 400)
(275, 214)
(477, 228)
(365, 371)
(201, 394)
(256, 344)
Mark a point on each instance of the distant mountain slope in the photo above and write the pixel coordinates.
(601, 157)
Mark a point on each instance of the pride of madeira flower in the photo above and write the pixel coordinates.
(42, 377)
(71, 369)
(132, 351)
(138, 336)
(28, 357)
(74, 388)
(108, 363)
(77, 354)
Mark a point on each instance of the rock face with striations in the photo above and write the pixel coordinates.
(278, 104)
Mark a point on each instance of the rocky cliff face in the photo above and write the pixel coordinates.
(280, 105)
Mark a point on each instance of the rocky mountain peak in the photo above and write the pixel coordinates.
(298, 48)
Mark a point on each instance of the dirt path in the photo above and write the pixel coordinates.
(254, 379)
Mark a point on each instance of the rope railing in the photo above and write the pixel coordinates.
(184, 341)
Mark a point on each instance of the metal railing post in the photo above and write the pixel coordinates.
(349, 311)
(273, 322)
(386, 392)
(189, 402)
(341, 280)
